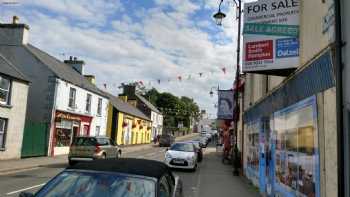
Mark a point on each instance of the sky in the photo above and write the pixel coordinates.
(123, 41)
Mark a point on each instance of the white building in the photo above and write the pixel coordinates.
(62, 103)
(13, 106)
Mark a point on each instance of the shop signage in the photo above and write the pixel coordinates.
(67, 116)
(271, 35)
(225, 105)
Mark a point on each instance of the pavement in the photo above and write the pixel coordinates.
(9, 166)
(212, 178)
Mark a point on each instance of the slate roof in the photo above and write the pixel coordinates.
(140, 167)
(25, 55)
(63, 70)
(147, 103)
(7, 68)
(126, 107)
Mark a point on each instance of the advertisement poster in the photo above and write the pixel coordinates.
(296, 150)
(252, 147)
(225, 105)
(271, 35)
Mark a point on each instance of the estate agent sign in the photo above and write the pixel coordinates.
(271, 35)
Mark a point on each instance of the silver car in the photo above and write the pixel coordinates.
(91, 148)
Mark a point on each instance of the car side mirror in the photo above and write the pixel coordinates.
(26, 194)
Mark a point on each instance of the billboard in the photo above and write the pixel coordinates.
(271, 35)
(225, 104)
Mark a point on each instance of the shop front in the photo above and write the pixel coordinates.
(281, 142)
(67, 127)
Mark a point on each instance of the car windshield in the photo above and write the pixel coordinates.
(182, 147)
(84, 141)
(93, 184)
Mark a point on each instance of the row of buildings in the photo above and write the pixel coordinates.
(45, 103)
(287, 127)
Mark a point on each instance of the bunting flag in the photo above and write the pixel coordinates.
(189, 77)
(105, 85)
(200, 74)
(224, 70)
(141, 83)
(179, 78)
(158, 81)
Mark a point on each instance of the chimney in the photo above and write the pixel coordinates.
(14, 33)
(77, 65)
(124, 98)
(91, 79)
(129, 90)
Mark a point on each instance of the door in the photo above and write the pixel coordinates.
(86, 130)
(35, 139)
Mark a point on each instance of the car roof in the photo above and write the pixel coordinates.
(141, 167)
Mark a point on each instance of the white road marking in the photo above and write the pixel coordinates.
(28, 188)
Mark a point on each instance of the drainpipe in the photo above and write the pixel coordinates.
(339, 98)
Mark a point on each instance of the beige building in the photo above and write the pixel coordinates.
(13, 105)
(267, 98)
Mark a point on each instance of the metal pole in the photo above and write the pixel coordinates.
(236, 94)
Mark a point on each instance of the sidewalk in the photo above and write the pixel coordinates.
(7, 166)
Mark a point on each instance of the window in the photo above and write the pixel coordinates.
(5, 85)
(88, 103)
(3, 126)
(72, 95)
(99, 106)
(164, 189)
(97, 130)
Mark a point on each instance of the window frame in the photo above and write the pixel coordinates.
(4, 132)
(88, 103)
(8, 96)
(99, 130)
(72, 98)
(99, 106)
(165, 182)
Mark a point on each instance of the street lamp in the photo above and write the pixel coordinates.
(212, 92)
(218, 17)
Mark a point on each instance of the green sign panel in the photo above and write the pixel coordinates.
(271, 29)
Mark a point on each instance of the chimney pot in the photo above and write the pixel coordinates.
(75, 58)
(15, 19)
(70, 58)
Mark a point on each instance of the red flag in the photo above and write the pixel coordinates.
(105, 86)
(180, 78)
(224, 70)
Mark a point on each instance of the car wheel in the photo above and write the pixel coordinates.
(195, 168)
(71, 163)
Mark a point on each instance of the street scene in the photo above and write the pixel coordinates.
(180, 98)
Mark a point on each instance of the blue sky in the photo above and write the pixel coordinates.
(137, 40)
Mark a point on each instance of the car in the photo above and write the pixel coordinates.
(204, 142)
(125, 177)
(182, 155)
(87, 148)
(166, 140)
(198, 149)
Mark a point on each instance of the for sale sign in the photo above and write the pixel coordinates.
(271, 35)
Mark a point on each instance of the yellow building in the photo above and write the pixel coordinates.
(126, 124)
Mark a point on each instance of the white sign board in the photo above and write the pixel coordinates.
(225, 105)
(271, 35)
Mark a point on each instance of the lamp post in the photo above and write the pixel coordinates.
(218, 18)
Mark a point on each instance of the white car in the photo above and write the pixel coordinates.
(182, 155)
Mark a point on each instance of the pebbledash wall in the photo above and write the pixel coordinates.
(267, 99)
(88, 119)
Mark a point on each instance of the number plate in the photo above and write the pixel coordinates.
(179, 161)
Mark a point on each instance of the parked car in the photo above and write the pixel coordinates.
(166, 140)
(204, 142)
(85, 148)
(198, 149)
(114, 177)
(182, 155)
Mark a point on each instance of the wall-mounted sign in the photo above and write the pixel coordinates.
(271, 35)
(225, 105)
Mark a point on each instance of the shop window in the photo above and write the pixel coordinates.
(5, 85)
(72, 95)
(3, 127)
(99, 106)
(88, 103)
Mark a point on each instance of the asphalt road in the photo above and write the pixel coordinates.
(211, 179)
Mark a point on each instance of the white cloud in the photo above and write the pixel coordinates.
(162, 45)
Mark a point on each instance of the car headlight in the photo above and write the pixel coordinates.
(168, 156)
(190, 157)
